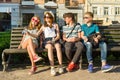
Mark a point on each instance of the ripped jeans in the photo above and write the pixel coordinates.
(103, 49)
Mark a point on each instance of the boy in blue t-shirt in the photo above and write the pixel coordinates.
(88, 29)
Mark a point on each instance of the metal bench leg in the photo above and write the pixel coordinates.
(80, 61)
(8, 60)
(3, 61)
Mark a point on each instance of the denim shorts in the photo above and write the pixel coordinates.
(48, 39)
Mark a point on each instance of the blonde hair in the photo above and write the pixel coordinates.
(38, 26)
(89, 13)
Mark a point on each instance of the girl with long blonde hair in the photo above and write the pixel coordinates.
(30, 43)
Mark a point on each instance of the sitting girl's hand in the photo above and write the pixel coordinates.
(27, 33)
(49, 42)
(19, 47)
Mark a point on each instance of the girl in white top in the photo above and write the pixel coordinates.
(52, 35)
(30, 43)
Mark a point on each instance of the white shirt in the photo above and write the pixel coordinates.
(49, 32)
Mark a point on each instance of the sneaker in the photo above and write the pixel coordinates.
(32, 71)
(106, 68)
(60, 70)
(37, 58)
(76, 66)
(70, 67)
(53, 72)
(90, 68)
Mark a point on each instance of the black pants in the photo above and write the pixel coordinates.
(74, 57)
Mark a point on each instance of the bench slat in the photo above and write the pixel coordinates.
(15, 42)
(115, 48)
(17, 35)
(14, 46)
(110, 32)
(113, 37)
(114, 40)
(16, 39)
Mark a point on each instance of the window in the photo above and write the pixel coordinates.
(8, 0)
(49, 0)
(95, 10)
(28, 0)
(1, 0)
(76, 17)
(26, 18)
(117, 10)
(105, 10)
(71, 3)
(5, 21)
(5, 0)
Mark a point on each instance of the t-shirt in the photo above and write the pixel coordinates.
(90, 30)
(67, 30)
(34, 31)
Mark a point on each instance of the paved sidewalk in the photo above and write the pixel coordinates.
(43, 73)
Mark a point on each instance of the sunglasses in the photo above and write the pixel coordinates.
(47, 17)
(86, 17)
(35, 20)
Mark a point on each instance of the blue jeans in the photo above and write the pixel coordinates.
(103, 48)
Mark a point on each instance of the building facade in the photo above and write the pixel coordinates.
(105, 10)
(9, 13)
(21, 11)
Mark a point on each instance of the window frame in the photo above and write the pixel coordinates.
(117, 10)
(106, 11)
(94, 9)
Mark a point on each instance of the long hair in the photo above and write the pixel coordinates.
(51, 16)
(38, 26)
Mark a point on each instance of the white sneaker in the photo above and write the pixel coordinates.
(60, 70)
(53, 72)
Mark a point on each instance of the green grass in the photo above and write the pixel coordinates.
(4, 41)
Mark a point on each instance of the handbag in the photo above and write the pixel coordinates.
(102, 39)
(91, 39)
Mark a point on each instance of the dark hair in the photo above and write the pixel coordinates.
(70, 15)
(89, 13)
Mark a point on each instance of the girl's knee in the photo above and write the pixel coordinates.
(49, 46)
(30, 40)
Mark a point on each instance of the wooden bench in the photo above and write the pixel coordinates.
(111, 32)
(16, 36)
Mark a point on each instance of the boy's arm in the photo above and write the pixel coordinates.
(37, 34)
(84, 37)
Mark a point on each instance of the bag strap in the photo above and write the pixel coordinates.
(73, 29)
